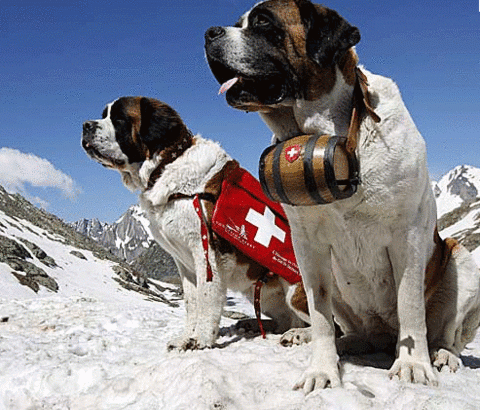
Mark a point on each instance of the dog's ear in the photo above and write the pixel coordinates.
(160, 125)
(328, 35)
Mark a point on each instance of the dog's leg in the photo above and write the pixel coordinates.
(453, 312)
(183, 341)
(297, 302)
(204, 304)
(315, 267)
(275, 303)
(408, 257)
(211, 297)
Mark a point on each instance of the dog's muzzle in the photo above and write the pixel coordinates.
(89, 128)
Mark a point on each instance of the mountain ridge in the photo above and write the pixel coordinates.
(46, 255)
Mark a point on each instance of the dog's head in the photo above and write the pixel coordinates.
(133, 131)
(279, 51)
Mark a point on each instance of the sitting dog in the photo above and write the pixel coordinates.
(363, 259)
(148, 143)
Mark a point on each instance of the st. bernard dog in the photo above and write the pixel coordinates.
(155, 153)
(363, 259)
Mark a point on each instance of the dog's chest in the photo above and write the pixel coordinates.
(170, 225)
(360, 262)
(363, 272)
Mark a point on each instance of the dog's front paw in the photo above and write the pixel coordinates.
(442, 358)
(413, 372)
(183, 343)
(296, 336)
(318, 379)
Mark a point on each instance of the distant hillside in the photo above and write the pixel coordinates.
(44, 254)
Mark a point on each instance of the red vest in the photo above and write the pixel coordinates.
(255, 225)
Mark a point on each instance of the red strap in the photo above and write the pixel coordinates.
(256, 301)
(204, 233)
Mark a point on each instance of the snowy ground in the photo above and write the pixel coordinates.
(79, 353)
(97, 346)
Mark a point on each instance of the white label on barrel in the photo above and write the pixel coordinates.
(266, 226)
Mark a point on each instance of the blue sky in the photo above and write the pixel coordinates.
(61, 62)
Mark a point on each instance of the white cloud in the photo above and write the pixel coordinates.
(17, 170)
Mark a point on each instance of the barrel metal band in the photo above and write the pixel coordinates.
(332, 182)
(263, 180)
(277, 176)
(329, 169)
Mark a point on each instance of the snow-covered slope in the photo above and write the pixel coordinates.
(458, 187)
(41, 256)
(458, 207)
(82, 353)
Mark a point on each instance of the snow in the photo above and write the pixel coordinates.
(95, 345)
(465, 224)
(81, 353)
(140, 216)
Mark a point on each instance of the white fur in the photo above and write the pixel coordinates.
(369, 252)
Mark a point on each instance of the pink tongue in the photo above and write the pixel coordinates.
(227, 85)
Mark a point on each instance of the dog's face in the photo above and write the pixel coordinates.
(279, 51)
(132, 130)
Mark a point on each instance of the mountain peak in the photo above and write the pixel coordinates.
(458, 187)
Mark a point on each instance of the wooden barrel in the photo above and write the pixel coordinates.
(309, 170)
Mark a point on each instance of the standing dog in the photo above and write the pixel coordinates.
(362, 259)
(148, 143)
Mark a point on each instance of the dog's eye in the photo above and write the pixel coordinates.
(261, 21)
(119, 122)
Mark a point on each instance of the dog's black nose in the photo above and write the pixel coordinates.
(213, 33)
(89, 127)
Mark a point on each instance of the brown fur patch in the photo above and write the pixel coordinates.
(437, 264)
(315, 80)
(347, 66)
(132, 112)
(169, 155)
(214, 186)
(299, 299)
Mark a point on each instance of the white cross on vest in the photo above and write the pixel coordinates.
(266, 226)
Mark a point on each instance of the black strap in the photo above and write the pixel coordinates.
(205, 196)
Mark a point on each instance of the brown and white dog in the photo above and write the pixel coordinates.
(148, 143)
(362, 259)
